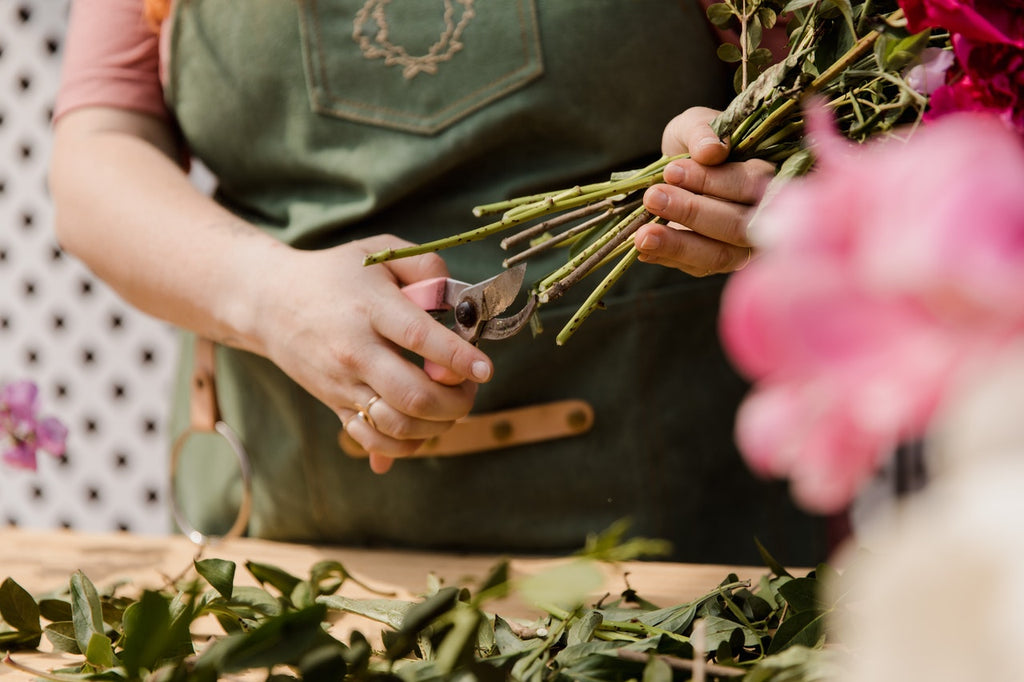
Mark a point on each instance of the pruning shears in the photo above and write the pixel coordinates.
(475, 307)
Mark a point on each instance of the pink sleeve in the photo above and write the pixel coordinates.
(111, 58)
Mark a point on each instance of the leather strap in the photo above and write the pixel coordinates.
(203, 410)
(502, 429)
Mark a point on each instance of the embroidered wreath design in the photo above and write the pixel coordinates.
(379, 46)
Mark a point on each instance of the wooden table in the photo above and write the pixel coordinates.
(44, 561)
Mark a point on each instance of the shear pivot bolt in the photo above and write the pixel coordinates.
(465, 314)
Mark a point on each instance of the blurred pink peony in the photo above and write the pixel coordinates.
(880, 274)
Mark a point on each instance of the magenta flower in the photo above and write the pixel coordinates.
(25, 434)
(988, 40)
(979, 21)
(881, 275)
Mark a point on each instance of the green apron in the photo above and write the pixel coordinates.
(331, 120)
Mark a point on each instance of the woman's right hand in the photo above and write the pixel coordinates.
(339, 329)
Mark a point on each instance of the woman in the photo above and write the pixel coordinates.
(337, 128)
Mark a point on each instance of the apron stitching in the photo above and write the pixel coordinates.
(531, 46)
(396, 55)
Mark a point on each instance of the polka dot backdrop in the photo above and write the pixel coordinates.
(102, 368)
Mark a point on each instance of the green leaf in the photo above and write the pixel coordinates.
(459, 643)
(718, 630)
(802, 594)
(17, 639)
(582, 630)
(805, 629)
(496, 584)
(147, 631)
(283, 639)
(797, 5)
(391, 612)
(566, 585)
(775, 566)
(87, 613)
(720, 14)
(99, 651)
(219, 573)
(507, 641)
(754, 33)
(324, 663)
(767, 16)
(55, 610)
(729, 53)
(673, 618)
(277, 578)
(799, 664)
(418, 617)
(62, 637)
(18, 608)
(258, 600)
(846, 9)
(657, 670)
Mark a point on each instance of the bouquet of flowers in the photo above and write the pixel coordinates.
(854, 55)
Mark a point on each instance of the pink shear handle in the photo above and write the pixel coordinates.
(429, 294)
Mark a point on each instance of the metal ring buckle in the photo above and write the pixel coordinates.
(244, 509)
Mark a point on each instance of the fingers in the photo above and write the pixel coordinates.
(689, 251)
(720, 220)
(691, 132)
(388, 433)
(452, 359)
(708, 209)
(741, 182)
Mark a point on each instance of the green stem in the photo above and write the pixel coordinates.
(788, 108)
(525, 214)
(595, 297)
(568, 237)
(557, 283)
(557, 221)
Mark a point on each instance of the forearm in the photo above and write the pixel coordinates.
(128, 211)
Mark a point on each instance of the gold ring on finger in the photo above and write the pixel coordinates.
(363, 413)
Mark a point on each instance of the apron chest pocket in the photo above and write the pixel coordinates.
(416, 65)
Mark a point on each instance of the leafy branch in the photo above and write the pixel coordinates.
(282, 627)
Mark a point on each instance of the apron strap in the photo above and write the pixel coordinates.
(203, 409)
(502, 429)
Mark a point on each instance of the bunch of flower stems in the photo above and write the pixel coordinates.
(862, 86)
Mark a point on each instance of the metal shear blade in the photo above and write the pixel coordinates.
(476, 306)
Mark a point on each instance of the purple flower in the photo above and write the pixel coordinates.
(21, 456)
(51, 436)
(18, 401)
(22, 432)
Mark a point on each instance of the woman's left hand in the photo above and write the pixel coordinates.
(706, 200)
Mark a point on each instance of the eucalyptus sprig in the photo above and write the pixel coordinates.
(849, 54)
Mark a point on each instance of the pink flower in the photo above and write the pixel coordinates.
(930, 73)
(982, 21)
(21, 456)
(988, 39)
(25, 432)
(992, 79)
(51, 436)
(880, 274)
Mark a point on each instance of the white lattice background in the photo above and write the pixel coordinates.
(101, 367)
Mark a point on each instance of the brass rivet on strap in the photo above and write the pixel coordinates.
(577, 420)
(501, 430)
